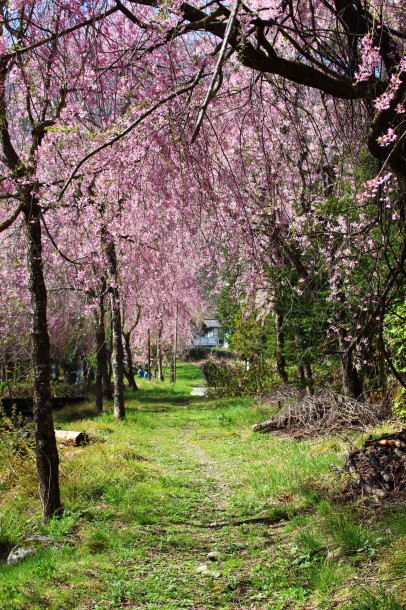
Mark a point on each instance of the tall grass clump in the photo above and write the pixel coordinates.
(340, 527)
(376, 601)
(17, 457)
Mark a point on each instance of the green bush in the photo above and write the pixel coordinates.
(231, 378)
(395, 339)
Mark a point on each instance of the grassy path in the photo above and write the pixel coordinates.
(182, 507)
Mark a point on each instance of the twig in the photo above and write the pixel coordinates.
(217, 70)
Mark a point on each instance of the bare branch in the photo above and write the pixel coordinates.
(210, 90)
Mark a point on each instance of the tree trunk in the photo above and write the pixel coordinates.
(301, 371)
(380, 362)
(101, 364)
(175, 348)
(352, 384)
(309, 381)
(401, 180)
(117, 356)
(159, 354)
(117, 351)
(129, 370)
(149, 355)
(106, 360)
(280, 348)
(46, 450)
(351, 381)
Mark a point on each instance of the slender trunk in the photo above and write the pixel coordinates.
(401, 180)
(149, 355)
(309, 381)
(380, 361)
(159, 354)
(108, 373)
(46, 448)
(280, 347)
(352, 384)
(351, 381)
(117, 351)
(302, 377)
(106, 359)
(175, 347)
(129, 370)
(100, 354)
(117, 356)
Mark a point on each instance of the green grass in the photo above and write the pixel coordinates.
(141, 498)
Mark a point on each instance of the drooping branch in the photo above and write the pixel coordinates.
(45, 41)
(55, 245)
(128, 129)
(10, 220)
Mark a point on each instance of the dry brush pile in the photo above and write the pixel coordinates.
(323, 413)
(378, 468)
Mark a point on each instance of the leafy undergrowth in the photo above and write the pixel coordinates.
(184, 476)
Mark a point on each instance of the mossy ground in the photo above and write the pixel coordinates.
(182, 476)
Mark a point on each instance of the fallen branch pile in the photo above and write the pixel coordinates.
(379, 468)
(323, 413)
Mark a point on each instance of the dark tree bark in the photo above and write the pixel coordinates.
(46, 449)
(106, 360)
(352, 383)
(309, 381)
(101, 364)
(159, 354)
(280, 347)
(301, 371)
(129, 369)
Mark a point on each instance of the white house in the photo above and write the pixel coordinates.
(209, 335)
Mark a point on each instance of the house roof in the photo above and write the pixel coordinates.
(211, 323)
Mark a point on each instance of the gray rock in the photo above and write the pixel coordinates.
(213, 556)
(18, 553)
(204, 571)
(238, 545)
(28, 547)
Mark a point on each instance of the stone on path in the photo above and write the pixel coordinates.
(213, 556)
(204, 571)
(199, 391)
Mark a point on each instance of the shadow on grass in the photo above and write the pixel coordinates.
(74, 413)
(154, 400)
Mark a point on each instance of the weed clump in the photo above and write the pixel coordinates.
(376, 601)
(17, 453)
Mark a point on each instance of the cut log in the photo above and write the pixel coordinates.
(264, 426)
(379, 467)
(369, 489)
(69, 437)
